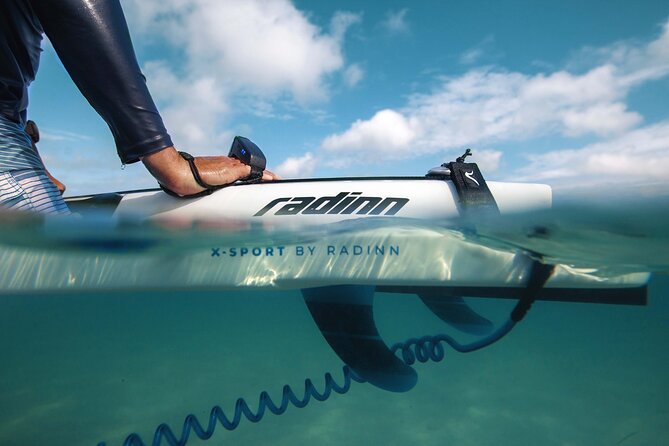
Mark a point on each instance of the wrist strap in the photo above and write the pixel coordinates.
(196, 173)
(253, 177)
(208, 188)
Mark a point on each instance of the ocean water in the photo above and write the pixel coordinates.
(85, 368)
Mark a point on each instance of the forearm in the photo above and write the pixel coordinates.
(92, 40)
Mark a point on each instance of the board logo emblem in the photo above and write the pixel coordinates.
(343, 203)
(470, 176)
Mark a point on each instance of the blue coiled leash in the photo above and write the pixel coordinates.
(421, 349)
(424, 349)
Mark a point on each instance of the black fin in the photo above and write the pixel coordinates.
(345, 317)
(455, 312)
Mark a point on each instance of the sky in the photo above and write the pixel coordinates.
(573, 94)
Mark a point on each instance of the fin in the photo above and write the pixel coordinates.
(455, 312)
(344, 316)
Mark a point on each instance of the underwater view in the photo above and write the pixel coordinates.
(437, 223)
(94, 367)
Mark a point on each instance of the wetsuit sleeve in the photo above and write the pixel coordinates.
(92, 40)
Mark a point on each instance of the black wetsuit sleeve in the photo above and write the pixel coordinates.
(92, 40)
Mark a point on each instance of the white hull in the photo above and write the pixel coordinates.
(425, 199)
(387, 255)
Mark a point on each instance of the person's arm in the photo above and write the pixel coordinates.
(92, 40)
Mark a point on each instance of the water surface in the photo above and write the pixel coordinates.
(78, 369)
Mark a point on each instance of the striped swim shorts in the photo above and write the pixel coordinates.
(23, 182)
(30, 190)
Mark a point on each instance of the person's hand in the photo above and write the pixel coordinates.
(269, 176)
(216, 170)
(61, 187)
(33, 131)
(173, 172)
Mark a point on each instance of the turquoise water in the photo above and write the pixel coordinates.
(81, 369)
(84, 368)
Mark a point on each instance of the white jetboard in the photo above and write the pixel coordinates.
(389, 248)
(307, 202)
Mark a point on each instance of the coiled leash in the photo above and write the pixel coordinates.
(424, 349)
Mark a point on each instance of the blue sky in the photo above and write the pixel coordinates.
(570, 93)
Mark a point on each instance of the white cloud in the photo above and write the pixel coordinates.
(488, 160)
(471, 56)
(341, 22)
(395, 22)
(478, 51)
(266, 47)
(61, 135)
(190, 109)
(353, 75)
(252, 52)
(483, 107)
(387, 131)
(297, 167)
(636, 62)
(641, 155)
(486, 106)
(602, 119)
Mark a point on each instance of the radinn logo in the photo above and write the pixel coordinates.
(342, 203)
